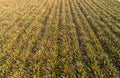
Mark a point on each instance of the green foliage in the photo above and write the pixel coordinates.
(59, 39)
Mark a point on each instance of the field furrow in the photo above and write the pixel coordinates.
(59, 39)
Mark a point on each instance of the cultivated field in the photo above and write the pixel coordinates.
(59, 39)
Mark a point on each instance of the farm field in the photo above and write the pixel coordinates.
(59, 39)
